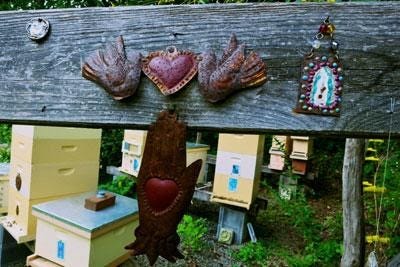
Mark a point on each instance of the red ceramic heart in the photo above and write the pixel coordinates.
(170, 70)
(160, 193)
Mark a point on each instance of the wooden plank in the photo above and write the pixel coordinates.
(353, 205)
(42, 83)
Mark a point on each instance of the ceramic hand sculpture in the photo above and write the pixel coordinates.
(112, 69)
(165, 188)
(233, 72)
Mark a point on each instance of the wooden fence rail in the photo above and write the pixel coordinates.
(42, 83)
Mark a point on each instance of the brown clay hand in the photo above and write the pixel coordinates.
(165, 188)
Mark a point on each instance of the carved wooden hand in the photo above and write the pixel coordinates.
(165, 188)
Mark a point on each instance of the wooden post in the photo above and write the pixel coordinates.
(353, 206)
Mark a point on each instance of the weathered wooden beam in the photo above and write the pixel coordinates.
(41, 83)
(353, 205)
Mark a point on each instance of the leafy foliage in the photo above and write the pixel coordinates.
(110, 153)
(121, 185)
(252, 254)
(192, 232)
(5, 141)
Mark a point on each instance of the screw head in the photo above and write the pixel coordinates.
(37, 28)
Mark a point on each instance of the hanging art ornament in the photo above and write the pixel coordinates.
(165, 188)
(234, 71)
(114, 70)
(170, 70)
(321, 82)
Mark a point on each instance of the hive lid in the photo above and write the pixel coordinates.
(194, 145)
(72, 211)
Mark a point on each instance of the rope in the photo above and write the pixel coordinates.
(391, 111)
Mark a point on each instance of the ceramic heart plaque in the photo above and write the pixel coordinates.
(161, 193)
(170, 70)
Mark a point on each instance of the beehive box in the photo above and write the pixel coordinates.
(301, 148)
(194, 152)
(136, 137)
(130, 164)
(4, 187)
(238, 169)
(19, 221)
(280, 145)
(299, 166)
(70, 235)
(35, 181)
(40, 144)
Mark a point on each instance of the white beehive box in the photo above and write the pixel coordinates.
(302, 147)
(4, 187)
(280, 145)
(130, 164)
(70, 235)
(238, 169)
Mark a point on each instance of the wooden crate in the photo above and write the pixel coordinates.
(301, 148)
(54, 150)
(238, 169)
(70, 235)
(45, 180)
(194, 152)
(19, 221)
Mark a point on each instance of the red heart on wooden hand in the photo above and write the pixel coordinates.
(170, 70)
(160, 193)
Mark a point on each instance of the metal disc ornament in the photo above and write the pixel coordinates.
(37, 28)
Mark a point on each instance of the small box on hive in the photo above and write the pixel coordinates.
(301, 152)
(68, 234)
(238, 169)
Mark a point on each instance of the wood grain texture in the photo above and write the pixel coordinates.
(353, 204)
(42, 83)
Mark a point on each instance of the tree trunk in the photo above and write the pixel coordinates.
(353, 206)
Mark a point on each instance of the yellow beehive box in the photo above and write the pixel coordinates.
(133, 149)
(4, 188)
(136, 137)
(4, 185)
(19, 221)
(238, 170)
(130, 164)
(34, 181)
(194, 152)
(47, 132)
(301, 148)
(53, 150)
(248, 144)
(70, 235)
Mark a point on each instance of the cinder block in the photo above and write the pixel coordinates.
(235, 220)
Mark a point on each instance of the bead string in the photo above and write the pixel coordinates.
(326, 29)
